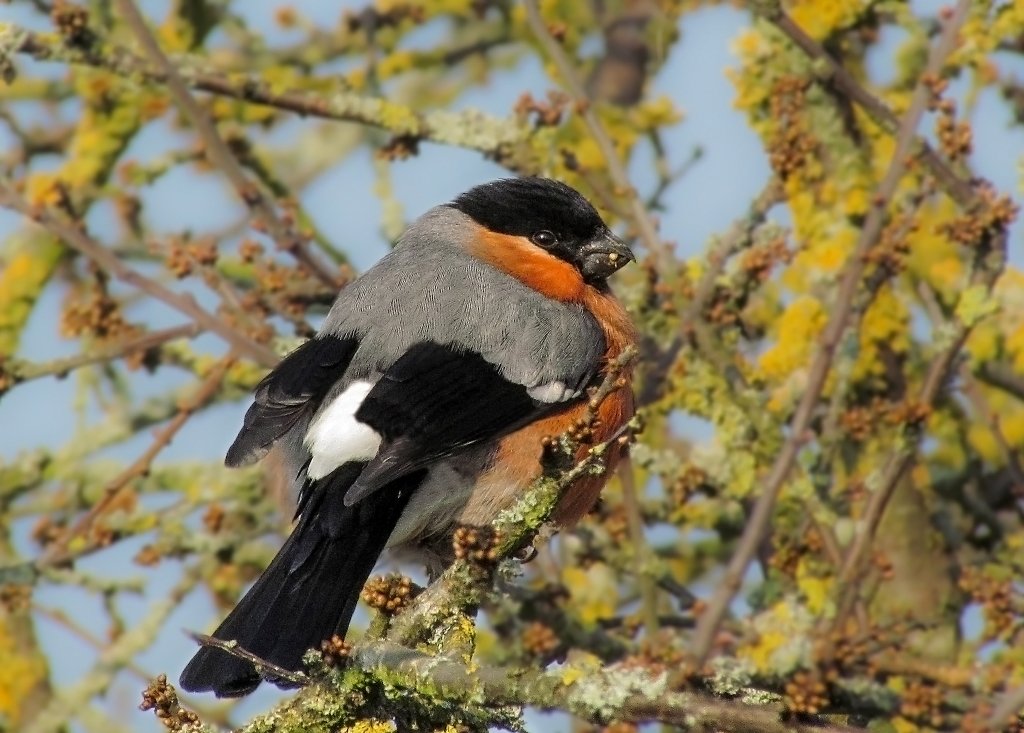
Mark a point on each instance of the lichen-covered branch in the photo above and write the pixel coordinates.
(471, 129)
(850, 284)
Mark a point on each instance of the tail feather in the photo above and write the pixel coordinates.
(309, 591)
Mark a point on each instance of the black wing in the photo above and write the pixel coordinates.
(292, 390)
(433, 401)
(310, 590)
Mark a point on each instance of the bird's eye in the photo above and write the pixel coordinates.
(544, 239)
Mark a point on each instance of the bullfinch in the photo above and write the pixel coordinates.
(422, 404)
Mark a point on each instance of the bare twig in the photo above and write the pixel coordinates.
(641, 551)
(58, 552)
(639, 216)
(286, 238)
(1002, 376)
(1007, 708)
(760, 517)
(974, 393)
(79, 241)
(23, 371)
(266, 670)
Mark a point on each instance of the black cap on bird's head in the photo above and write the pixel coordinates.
(553, 216)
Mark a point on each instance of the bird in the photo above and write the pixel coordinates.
(422, 404)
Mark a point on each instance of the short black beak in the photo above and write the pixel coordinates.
(603, 255)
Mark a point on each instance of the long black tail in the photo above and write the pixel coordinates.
(311, 588)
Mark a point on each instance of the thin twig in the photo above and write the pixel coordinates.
(58, 551)
(267, 670)
(641, 551)
(641, 219)
(1010, 706)
(899, 462)
(79, 241)
(1002, 376)
(24, 371)
(286, 238)
(975, 394)
(760, 518)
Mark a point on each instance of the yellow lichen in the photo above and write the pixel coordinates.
(797, 330)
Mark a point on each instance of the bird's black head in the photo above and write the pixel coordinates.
(552, 216)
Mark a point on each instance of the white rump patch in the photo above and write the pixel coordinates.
(552, 392)
(335, 437)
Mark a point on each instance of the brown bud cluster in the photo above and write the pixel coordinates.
(161, 697)
(922, 702)
(335, 651)
(97, 315)
(792, 142)
(213, 518)
(806, 694)
(861, 421)
(955, 139)
(476, 545)
(148, 556)
(272, 277)
(849, 652)
(786, 558)
(690, 480)
(182, 258)
(389, 594)
(399, 147)
(995, 598)
(15, 598)
(909, 413)
(723, 307)
(545, 114)
(757, 263)
(286, 16)
(883, 564)
(371, 19)
(994, 215)
(72, 23)
(47, 530)
(540, 640)
(890, 253)
(250, 250)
